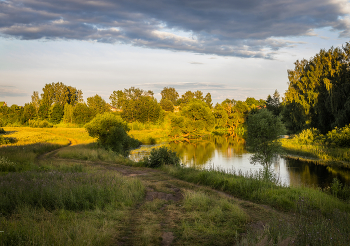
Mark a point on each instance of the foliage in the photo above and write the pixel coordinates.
(339, 137)
(2, 131)
(167, 105)
(161, 156)
(82, 114)
(170, 94)
(29, 112)
(40, 124)
(97, 105)
(264, 130)
(273, 103)
(137, 105)
(321, 88)
(68, 113)
(56, 113)
(196, 119)
(111, 132)
(58, 93)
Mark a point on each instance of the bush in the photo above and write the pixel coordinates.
(161, 156)
(111, 133)
(2, 131)
(40, 124)
(339, 137)
(309, 136)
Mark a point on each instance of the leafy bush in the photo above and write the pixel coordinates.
(309, 136)
(40, 124)
(2, 131)
(339, 137)
(161, 156)
(111, 133)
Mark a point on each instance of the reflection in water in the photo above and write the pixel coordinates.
(229, 153)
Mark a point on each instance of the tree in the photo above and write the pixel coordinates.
(29, 112)
(167, 105)
(56, 113)
(187, 97)
(68, 113)
(170, 93)
(97, 105)
(82, 114)
(196, 120)
(207, 100)
(273, 103)
(111, 132)
(36, 102)
(264, 129)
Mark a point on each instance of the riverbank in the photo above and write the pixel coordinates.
(330, 156)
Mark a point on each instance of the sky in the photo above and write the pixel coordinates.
(230, 48)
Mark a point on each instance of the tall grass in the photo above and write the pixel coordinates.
(70, 191)
(317, 151)
(255, 188)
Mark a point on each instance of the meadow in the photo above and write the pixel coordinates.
(59, 187)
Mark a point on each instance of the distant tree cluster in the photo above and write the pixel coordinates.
(57, 103)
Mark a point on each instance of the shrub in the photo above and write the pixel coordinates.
(40, 124)
(2, 131)
(161, 156)
(111, 133)
(339, 137)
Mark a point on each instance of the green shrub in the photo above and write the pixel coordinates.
(40, 124)
(111, 133)
(2, 131)
(339, 137)
(161, 156)
(309, 136)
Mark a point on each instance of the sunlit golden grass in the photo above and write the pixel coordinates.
(91, 152)
(150, 136)
(316, 151)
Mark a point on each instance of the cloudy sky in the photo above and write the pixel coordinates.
(230, 48)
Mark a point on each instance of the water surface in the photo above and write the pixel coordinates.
(229, 153)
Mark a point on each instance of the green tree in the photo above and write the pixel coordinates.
(196, 120)
(97, 105)
(207, 100)
(36, 102)
(29, 112)
(264, 129)
(273, 103)
(68, 113)
(170, 93)
(167, 105)
(56, 113)
(187, 97)
(82, 114)
(111, 132)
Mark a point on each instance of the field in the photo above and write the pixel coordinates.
(58, 187)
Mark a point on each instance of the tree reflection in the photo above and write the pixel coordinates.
(200, 152)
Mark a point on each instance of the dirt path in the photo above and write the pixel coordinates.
(166, 191)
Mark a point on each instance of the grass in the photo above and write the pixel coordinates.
(254, 188)
(324, 154)
(152, 136)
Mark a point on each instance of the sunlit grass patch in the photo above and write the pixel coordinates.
(209, 220)
(72, 191)
(30, 226)
(317, 151)
(150, 136)
(92, 152)
(258, 190)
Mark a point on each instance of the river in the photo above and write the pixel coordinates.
(229, 153)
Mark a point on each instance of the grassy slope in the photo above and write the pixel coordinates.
(184, 213)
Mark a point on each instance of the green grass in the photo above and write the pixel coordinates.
(322, 153)
(254, 188)
(205, 219)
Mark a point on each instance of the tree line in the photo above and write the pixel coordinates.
(195, 114)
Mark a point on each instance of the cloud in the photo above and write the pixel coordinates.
(11, 91)
(250, 28)
(196, 63)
